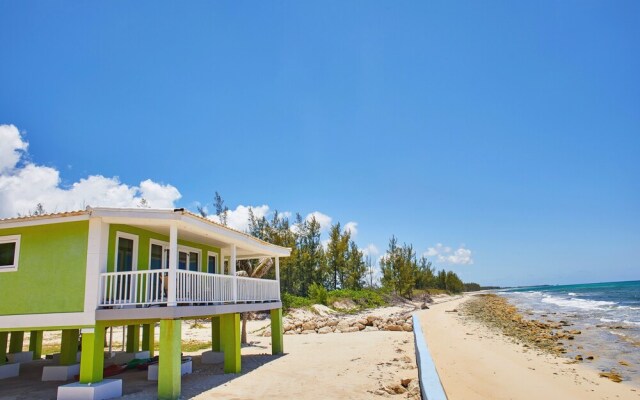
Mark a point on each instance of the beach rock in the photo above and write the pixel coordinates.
(322, 310)
(405, 382)
(342, 325)
(393, 327)
(424, 306)
(288, 327)
(395, 389)
(291, 333)
(332, 322)
(350, 329)
(309, 326)
(307, 331)
(346, 304)
(407, 327)
(612, 375)
(363, 321)
(370, 329)
(371, 319)
(325, 329)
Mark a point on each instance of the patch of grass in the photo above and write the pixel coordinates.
(195, 345)
(50, 348)
(364, 298)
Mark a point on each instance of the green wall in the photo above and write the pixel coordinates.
(144, 238)
(51, 270)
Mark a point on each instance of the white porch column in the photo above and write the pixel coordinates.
(173, 263)
(278, 275)
(232, 268)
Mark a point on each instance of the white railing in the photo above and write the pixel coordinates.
(253, 289)
(151, 287)
(201, 287)
(133, 287)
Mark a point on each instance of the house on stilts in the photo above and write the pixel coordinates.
(86, 271)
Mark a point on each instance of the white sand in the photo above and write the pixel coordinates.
(476, 363)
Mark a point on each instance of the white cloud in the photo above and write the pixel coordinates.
(323, 219)
(239, 218)
(446, 255)
(12, 147)
(351, 227)
(23, 186)
(370, 250)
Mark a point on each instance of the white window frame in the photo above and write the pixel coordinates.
(216, 270)
(181, 249)
(187, 249)
(165, 248)
(11, 239)
(129, 236)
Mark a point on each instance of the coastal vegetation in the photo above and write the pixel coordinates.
(322, 273)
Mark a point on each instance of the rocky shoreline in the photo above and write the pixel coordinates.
(548, 335)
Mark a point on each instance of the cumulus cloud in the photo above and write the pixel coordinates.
(323, 219)
(351, 227)
(447, 255)
(239, 218)
(370, 250)
(24, 184)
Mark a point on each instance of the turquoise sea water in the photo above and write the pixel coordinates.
(608, 314)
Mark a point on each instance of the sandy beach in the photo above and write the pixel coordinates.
(475, 362)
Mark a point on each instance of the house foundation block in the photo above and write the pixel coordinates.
(123, 358)
(60, 372)
(9, 370)
(21, 357)
(56, 357)
(105, 389)
(212, 357)
(152, 372)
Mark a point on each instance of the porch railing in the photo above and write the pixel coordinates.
(150, 287)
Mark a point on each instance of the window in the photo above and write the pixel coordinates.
(212, 262)
(126, 252)
(193, 261)
(9, 252)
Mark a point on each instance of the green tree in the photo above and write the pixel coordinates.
(356, 268)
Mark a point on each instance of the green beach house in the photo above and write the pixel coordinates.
(83, 272)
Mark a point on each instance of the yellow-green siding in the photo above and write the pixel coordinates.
(51, 270)
(144, 246)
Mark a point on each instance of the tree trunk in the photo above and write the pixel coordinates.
(243, 339)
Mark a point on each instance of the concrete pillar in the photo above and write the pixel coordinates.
(15, 343)
(215, 334)
(133, 338)
(35, 344)
(92, 356)
(169, 368)
(148, 338)
(230, 324)
(3, 347)
(277, 342)
(69, 346)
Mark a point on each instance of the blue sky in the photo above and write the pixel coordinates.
(509, 130)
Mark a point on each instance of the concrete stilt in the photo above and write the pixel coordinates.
(35, 344)
(230, 324)
(169, 371)
(277, 342)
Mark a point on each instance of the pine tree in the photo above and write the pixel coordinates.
(356, 268)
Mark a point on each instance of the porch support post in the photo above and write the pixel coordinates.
(35, 344)
(278, 275)
(277, 342)
(3, 347)
(148, 338)
(15, 343)
(231, 343)
(232, 268)
(69, 347)
(133, 338)
(92, 358)
(169, 377)
(173, 263)
(215, 334)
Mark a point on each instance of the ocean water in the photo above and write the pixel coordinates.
(608, 314)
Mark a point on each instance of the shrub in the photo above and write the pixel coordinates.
(364, 298)
(293, 301)
(318, 294)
